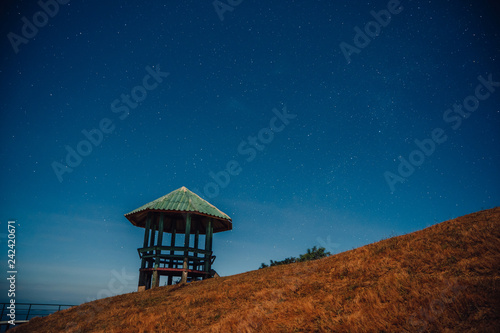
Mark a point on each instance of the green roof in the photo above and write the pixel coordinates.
(179, 201)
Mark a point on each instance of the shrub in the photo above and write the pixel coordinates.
(312, 254)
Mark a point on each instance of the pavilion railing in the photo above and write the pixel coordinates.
(173, 256)
(27, 311)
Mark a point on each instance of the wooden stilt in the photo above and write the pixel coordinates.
(196, 240)
(156, 277)
(186, 251)
(143, 275)
(172, 252)
(208, 246)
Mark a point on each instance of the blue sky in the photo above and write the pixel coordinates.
(318, 177)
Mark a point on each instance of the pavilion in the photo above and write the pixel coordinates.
(165, 220)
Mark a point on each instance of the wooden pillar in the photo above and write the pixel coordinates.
(208, 246)
(151, 242)
(150, 261)
(146, 231)
(196, 241)
(155, 281)
(143, 275)
(172, 252)
(186, 252)
(210, 241)
(156, 278)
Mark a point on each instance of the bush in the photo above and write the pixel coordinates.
(312, 254)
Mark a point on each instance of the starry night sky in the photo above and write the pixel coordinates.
(320, 178)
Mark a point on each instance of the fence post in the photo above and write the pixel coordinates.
(28, 314)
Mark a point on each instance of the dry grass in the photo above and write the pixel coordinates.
(444, 278)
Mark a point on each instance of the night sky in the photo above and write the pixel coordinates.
(310, 123)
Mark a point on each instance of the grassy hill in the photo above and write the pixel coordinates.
(445, 278)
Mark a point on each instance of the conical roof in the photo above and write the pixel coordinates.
(178, 202)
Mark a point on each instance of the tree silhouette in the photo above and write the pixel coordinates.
(312, 254)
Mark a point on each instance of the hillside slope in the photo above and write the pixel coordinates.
(444, 278)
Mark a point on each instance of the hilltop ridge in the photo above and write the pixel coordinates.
(443, 278)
